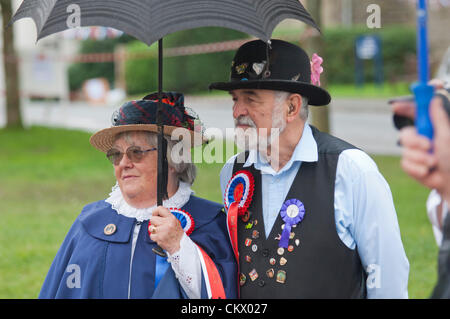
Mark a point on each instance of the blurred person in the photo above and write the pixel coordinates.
(429, 163)
(321, 222)
(108, 250)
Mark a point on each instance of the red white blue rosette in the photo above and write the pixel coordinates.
(240, 189)
(186, 220)
(292, 213)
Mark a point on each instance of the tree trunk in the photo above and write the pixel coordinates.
(10, 64)
(319, 114)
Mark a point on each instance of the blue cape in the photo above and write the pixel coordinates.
(91, 264)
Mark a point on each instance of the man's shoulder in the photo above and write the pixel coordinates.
(327, 143)
(356, 163)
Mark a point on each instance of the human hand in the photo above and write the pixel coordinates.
(431, 169)
(165, 229)
(441, 123)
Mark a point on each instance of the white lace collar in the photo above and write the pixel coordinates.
(119, 204)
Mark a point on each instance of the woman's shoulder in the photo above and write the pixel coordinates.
(101, 221)
(203, 210)
(94, 209)
(198, 201)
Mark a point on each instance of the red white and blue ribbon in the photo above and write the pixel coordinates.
(292, 213)
(237, 198)
(213, 281)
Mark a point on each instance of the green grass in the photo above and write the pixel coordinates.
(368, 90)
(48, 175)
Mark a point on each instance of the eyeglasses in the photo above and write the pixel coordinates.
(134, 154)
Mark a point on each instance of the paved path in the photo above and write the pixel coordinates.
(365, 123)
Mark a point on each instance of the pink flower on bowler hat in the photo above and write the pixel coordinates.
(316, 69)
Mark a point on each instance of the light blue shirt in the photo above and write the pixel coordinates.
(364, 211)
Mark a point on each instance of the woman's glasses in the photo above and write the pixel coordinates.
(134, 154)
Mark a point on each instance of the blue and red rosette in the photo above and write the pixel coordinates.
(185, 219)
(239, 190)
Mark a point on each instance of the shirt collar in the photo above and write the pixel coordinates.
(305, 151)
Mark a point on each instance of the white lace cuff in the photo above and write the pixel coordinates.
(187, 267)
(433, 202)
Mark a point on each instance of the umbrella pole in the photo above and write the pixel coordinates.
(160, 192)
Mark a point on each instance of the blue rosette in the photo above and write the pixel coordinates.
(292, 213)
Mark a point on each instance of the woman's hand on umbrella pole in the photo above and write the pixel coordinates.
(165, 230)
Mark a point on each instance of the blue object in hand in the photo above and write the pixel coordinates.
(423, 93)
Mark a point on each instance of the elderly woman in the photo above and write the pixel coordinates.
(108, 250)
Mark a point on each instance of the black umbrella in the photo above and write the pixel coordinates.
(151, 20)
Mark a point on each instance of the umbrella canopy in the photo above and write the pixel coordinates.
(151, 20)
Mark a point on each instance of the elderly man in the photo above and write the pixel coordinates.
(320, 222)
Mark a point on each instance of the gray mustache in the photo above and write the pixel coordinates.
(244, 120)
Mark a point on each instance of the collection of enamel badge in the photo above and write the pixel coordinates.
(239, 193)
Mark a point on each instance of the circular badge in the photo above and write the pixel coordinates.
(292, 211)
(109, 229)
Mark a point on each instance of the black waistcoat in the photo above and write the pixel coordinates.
(320, 266)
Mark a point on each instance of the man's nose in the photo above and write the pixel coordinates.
(239, 109)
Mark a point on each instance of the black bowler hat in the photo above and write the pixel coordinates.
(278, 66)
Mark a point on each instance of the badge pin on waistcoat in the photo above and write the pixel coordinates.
(246, 217)
(242, 279)
(253, 275)
(281, 276)
(270, 273)
(292, 213)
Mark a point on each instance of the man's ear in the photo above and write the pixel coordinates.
(294, 106)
